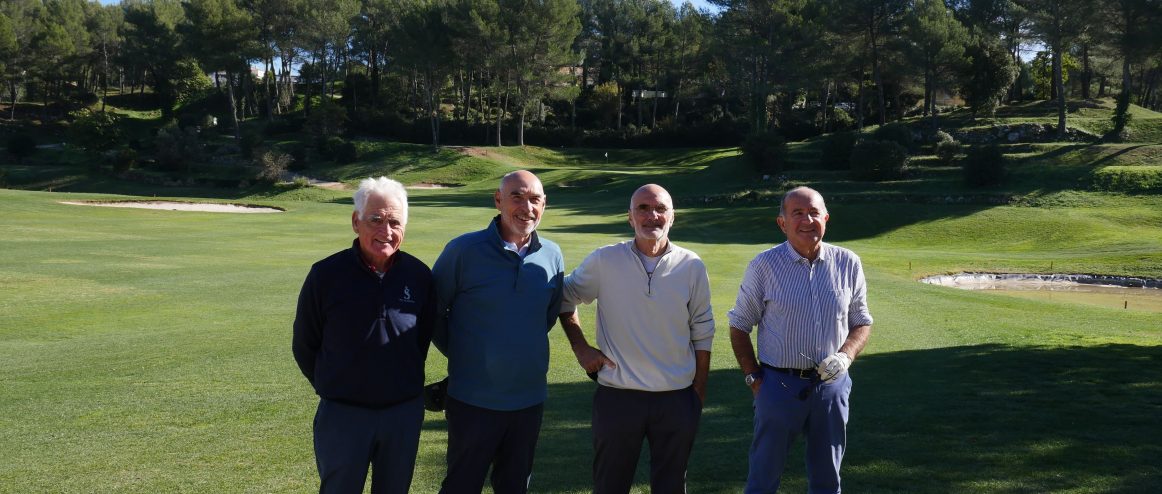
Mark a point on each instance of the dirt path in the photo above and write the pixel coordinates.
(485, 153)
(314, 182)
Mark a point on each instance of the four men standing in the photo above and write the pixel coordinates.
(366, 316)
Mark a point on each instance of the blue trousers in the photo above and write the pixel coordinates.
(349, 438)
(780, 417)
(479, 438)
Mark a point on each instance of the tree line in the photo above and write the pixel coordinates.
(491, 68)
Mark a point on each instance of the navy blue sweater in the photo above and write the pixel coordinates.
(362, 340)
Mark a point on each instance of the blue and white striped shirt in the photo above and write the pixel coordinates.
(801, 306)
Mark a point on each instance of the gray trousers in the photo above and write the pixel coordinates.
(623, 418)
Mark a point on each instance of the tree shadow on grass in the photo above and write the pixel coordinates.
(985, 418)
(994, 418)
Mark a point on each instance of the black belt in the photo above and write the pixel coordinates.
(799, 373)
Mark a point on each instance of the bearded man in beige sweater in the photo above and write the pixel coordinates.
(654, 332)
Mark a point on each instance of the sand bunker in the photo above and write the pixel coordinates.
(1116, 292)
(204, 207)
(1004, 281)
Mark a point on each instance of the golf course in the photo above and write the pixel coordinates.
(146, 350)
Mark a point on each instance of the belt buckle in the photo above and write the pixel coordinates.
(804, 373)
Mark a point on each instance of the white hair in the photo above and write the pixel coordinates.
(383, 187)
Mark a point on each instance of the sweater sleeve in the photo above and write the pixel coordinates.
(556, 304)
(581, 286)
(308, 327)
(445, 273)
(701, 313)
(427, 322)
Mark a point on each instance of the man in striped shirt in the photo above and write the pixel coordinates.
(809, 301)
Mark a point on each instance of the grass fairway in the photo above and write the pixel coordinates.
(149, 351)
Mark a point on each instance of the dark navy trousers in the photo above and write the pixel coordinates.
(479, 438)
(623, 418)
(349, 438)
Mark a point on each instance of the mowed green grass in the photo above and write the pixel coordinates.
(149, 351)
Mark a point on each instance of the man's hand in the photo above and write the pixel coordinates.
(591, 359)
(831, 368)
(754, 386)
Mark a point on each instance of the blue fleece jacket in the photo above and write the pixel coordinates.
(494, 312)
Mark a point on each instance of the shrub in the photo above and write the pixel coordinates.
(895, 132)
(797, 125)
(767, 151)
(984, 166)
(327, 119)
(346, 152)
(177, 148)
(878, 160)
(96, 131)
(272, 165)
(945, 148)
(124, 159)
(1128, 179)
(85, 99)
(21, 145)
(251, 139)
(299, 154)
(840, 119)
(328, 147)
(837, 148)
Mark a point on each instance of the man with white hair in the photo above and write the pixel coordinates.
(809, 301)
(655, 329)
(361, 336)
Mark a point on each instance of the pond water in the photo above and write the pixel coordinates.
(1139, 294)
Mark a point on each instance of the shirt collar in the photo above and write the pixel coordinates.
(792, 255)
(633, 246)
(534, 240)
(367, 265)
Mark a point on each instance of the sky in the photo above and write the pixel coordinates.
(700, 4)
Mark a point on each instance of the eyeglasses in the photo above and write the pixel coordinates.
(806, 391)
(810, 385)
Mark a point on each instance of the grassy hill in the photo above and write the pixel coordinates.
(148, 351)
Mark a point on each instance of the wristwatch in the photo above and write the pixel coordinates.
(751, 378)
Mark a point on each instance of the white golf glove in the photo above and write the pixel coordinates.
(833, 367)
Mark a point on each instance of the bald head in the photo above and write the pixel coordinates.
(802, 191)
(651, 213)
(518, 179)
(650, 191)
(521, 201)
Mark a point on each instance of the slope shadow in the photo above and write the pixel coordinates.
(983, 418)
(1014, 419)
